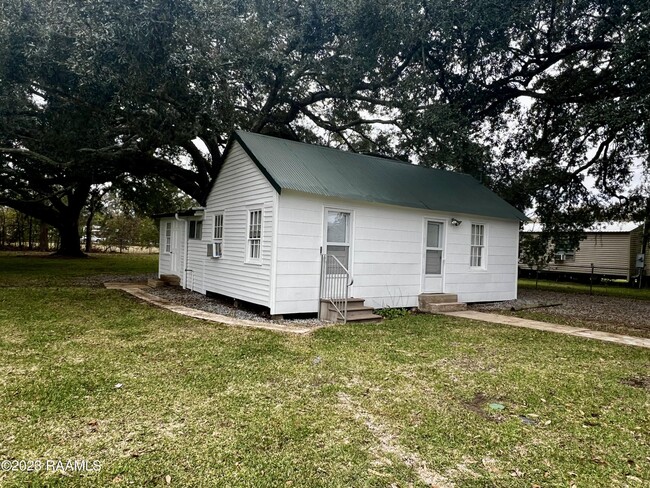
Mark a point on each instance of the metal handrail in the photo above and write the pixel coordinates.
(335, 284)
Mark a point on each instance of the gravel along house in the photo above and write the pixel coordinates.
(300, 228)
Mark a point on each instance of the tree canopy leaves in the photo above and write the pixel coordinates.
(544, 101)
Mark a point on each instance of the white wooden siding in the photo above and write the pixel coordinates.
(498, 280)
(239, 188)
(387, 253)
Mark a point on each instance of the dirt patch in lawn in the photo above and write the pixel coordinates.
(609, 314)
(389, 445)
(478, 404)
(642, 382)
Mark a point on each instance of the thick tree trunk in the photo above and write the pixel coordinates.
(31, 234)
(70, 245)
(68, 222)
(44, 237)
(89, 232)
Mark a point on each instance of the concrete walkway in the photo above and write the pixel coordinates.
(139, 290)
(560, 329)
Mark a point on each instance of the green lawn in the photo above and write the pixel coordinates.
(616, 290)
(206, 405)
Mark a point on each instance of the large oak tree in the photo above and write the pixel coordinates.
(530, 97)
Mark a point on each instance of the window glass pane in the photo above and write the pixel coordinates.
(477, 244)
(433, 264)
(199, 230)
(476, 256)
(192, 228)
(168, 237)
(338, 226)
(341, 253)
(255, 225)
(433, 234)
(254, 249)
(477, 235)
(218, 226)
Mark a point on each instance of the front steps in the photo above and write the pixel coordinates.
(440, 303)
(164, 280)
(357, 312)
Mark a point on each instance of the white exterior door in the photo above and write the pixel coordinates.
(337, 235)
(433, 259)
(178, 231)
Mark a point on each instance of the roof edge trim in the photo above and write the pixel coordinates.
(259, 165)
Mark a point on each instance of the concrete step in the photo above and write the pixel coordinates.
(353, 307)
(365, 317)
(426, 298)
(357, 311)
(153, 283)
(360, 312)
(444, 307)
(171, 279)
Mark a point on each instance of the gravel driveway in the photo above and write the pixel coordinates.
(611, 314)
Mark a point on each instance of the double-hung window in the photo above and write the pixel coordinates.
(254, 234)
(196, 229)
(168, 237)
(217, 235)
(477, 250)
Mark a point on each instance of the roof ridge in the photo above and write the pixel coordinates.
(378, 158)
(327, 171)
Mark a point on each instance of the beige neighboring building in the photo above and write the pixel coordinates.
(612, 248)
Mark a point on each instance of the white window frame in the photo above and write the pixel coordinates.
(198, 229)
(217, 234)
(480, 246)
(439, 247)
(348, 236)
(168, 237)
(250, 239)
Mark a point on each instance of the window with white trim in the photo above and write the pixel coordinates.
(196, 229)
(168, 237)
(217, 235)
(477, 249)
(338, 236)
(254, 241)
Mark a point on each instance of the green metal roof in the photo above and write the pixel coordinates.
(330, 172)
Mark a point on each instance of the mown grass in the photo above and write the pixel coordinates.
(41, 269)
(600, 289)
(209, 405)
(618, 327)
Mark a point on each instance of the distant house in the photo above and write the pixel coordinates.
(612, 248)
(287, 224)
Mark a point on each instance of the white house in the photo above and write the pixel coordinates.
(284, 219)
